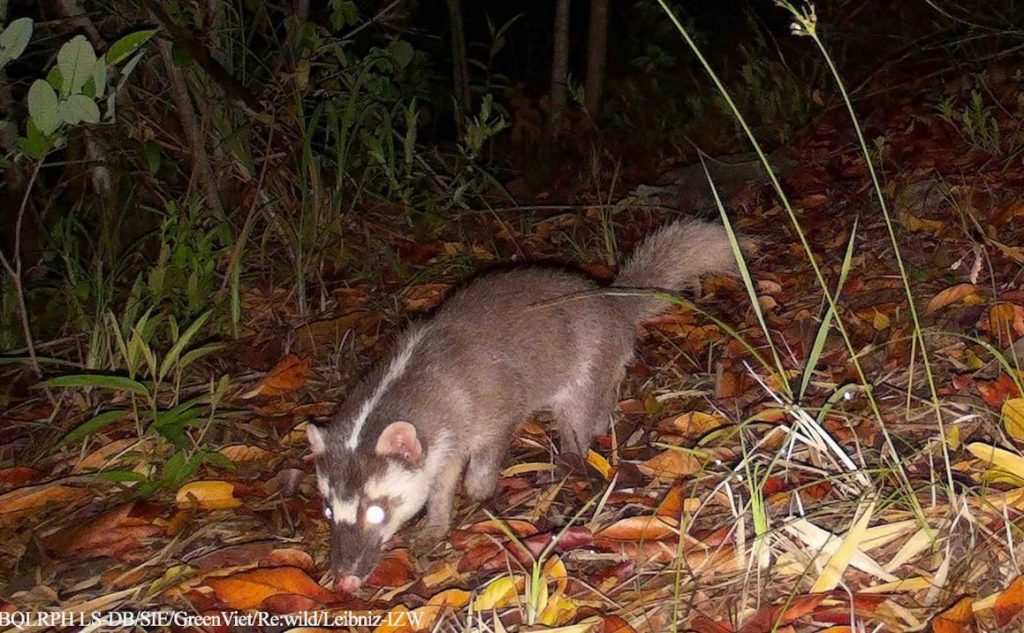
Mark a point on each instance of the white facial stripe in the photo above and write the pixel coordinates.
(323, 486)
(395, 369)
(407, 489)
(344, 511)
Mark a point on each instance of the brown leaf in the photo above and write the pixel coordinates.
(425, 296)
(288, 375)
(616, 624)
(289, 557)
(641, 528)
(394, 569)
(248, 589)
(115, 533)
(242, 454)
(18, 476)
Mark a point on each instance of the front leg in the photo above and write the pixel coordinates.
(439, 508)
(482, 472)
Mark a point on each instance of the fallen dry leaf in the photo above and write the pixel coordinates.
(242, 454)
(670, 463)
(950, 296)
(115, 533)
(18, 503)
(1010, 602)
(641, 528)
(288, 375)
(248, 589)
(959, 618)
(208, 495)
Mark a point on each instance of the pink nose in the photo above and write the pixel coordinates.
(348, 584)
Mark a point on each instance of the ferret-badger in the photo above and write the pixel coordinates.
(457, 386)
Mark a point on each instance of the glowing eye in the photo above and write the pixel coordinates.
(375, 515)
(328, 514)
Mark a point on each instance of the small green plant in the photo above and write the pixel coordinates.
(151, 383)
(975, 122)
(72, 90)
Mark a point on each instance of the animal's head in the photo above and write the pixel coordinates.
(369, 491)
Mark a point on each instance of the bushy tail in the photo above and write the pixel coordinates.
(674, 258)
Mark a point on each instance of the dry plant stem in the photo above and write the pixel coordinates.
(187, 115)
(250, 218)
(819, 277)
(918, 334)
(13, 268)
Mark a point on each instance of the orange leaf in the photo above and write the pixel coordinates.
(288, 375)
(248, 589)
(1010, 602)
(208, 495)
(15, 504)
(959, 618)
(670, 463)
(949, 296)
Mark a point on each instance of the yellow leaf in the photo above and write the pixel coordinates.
(1013, 417)
(880, 322)
(953, 437)
(208, 495)
(500, 593)
(914, 223)
(599, 463)
(998, 457)
(838, 562)
(528, 467)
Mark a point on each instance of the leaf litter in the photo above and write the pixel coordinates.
(718, 504)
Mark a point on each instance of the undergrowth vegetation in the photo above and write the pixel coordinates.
(183, 184)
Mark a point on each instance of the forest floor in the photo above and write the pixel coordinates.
(718, 504)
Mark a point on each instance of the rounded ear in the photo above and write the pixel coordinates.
(399, 440)
(316, 438)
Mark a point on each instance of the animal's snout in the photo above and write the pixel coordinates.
(347, 582)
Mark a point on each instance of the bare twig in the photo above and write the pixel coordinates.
(13, 268)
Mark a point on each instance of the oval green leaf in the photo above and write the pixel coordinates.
(79, 109)
(76, 60)
(14, 39)
(43, 107)
(127, 45)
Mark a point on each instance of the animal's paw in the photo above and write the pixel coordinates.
(481, 488)
(428, 538)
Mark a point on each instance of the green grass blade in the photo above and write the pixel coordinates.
(186, 337)
(91, 426)
(826, 322)
(99, 381)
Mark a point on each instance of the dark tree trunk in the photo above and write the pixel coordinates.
(597, 54)
(559, 67)
(460, 74)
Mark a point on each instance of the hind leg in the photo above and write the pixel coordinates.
(582, 417)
